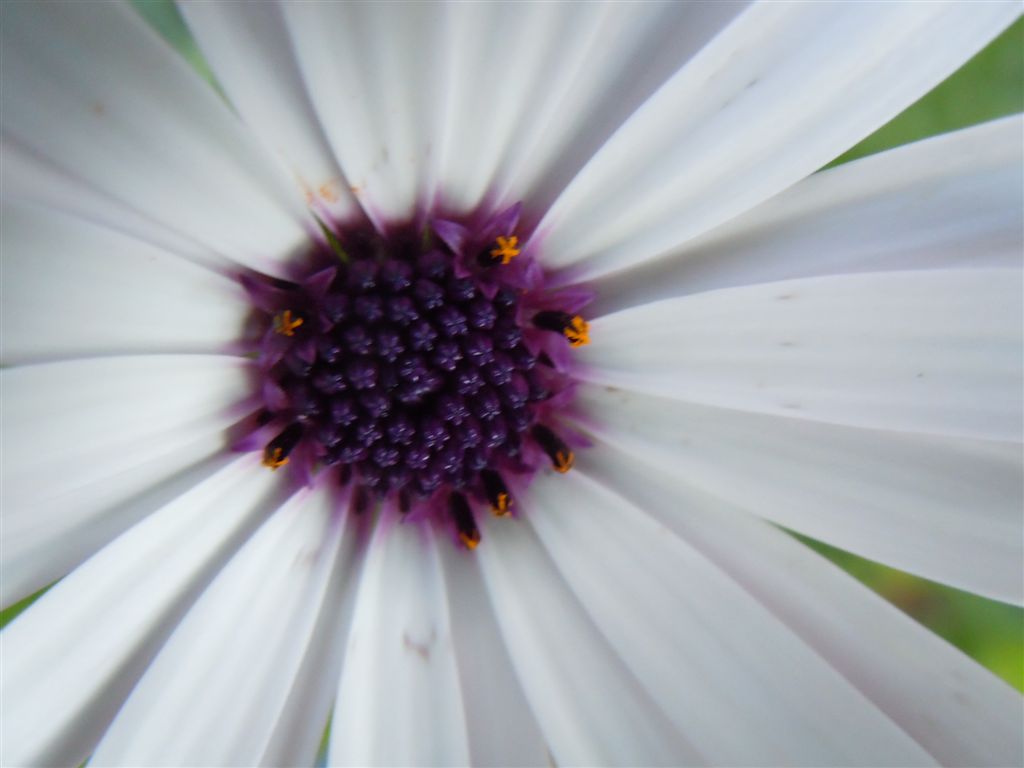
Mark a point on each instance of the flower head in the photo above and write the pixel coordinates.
(444, 383)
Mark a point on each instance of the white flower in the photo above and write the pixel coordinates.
(838, 353)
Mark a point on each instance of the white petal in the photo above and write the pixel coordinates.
(372, 72)
(89, 88)
(71, 659)
(216, 690)
(72, 289)
(300, 728)
(593, 65)
(930, 351)
(591, 710)
(251, 52)
(740, 686)
(399, 701)
(957, 710)
(494, 56)
(500, 725)
(783, 90)
(947, 509)
(532, 90)
(949, 202)
(90, 446)
(463, 99)
(32, 179)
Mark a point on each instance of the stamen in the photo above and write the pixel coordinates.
(578, 332)
(506, 250)
(497, 493)
(561, 456)
(573, 327)
(469, 534)
(274, 458)
(285, 323)
(275, 455)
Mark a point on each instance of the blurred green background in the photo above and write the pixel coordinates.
(990, 85)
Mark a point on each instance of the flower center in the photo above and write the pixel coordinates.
(417, 367)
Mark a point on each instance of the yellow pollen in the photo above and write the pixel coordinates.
(274, 459)
(285, 324)
(506, 250)
(577, 332)
(469, 541)
(563, 461)
(502, 505)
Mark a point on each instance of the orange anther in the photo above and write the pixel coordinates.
(501, 505)
(563, 461)
(285, 323)
(506, 250)
(274, 458)
(577, 332)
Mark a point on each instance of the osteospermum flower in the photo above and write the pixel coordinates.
(272, 364)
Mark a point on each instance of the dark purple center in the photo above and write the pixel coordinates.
(411, 364)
